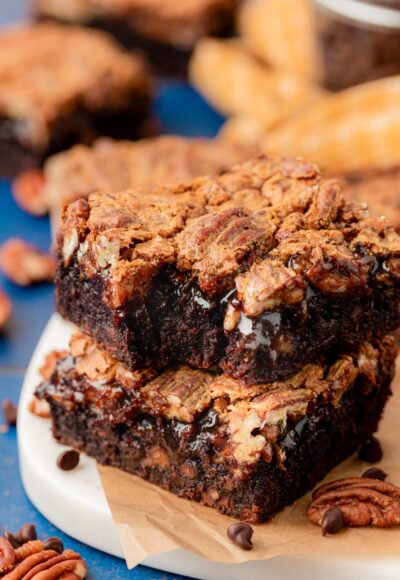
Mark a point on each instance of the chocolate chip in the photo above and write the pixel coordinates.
(12, 539)
(54, 544)
(371, 451)
(26, 534)
(68, 460)
(241, 535)
(332, 521)
(10, 412)
(375, 473)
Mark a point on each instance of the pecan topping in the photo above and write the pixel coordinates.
(363, 502)
(29, 192)
(50, 362)
(40, 408)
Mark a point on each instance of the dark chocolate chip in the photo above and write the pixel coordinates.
(68, 460)
(54, 544)
(10, 412)
(12, 539)
(371, 451)
(333, 521)
(241, 535)
(26, 534)
(375, 473)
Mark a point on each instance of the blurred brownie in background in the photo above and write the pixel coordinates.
(63, 85)
(150, 163)
(379, 188)
(167, 31)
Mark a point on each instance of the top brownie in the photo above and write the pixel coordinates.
(173, 22)
(60, 85)
(257, 271)
(118, 165)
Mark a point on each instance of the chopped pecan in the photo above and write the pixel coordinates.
(7, 556)
(40, 408)
(24, 264)
(29, 192)
(267, 285)
(50, 362)
(363, 502)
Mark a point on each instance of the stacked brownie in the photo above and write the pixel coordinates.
(233, 339)
(167, 31)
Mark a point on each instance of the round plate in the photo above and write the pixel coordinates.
(74, 501)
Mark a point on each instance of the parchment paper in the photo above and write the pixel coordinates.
(151, 521)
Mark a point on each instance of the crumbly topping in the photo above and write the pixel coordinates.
(270, 227)
(171, 21)
(149, 163)
(254, 416)
(84, 68)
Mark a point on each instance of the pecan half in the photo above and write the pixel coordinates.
(7, 556)
(24, 264)
(363, 502)
(29, 192)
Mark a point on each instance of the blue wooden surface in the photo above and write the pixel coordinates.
(180, 111)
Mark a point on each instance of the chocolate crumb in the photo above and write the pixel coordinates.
(333, 521)
(26, 534)
(10, 412)
(375, 473)
(54, 544)
(68, 460)
(371, 451)
(12, 539)
(241, 535)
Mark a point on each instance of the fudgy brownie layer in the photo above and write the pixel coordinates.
(247, 457)
(258, 271)
(175, 322)
(77, 127)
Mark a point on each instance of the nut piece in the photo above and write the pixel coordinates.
(362, 501)
(50, 363)
(29, 193)
(25, 264)
(5, 309)
(10, 412)
(40, 408)
(7, 556)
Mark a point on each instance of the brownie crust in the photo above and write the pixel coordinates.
(258, 271)
(207, 437)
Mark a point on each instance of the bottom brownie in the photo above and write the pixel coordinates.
(247, 451)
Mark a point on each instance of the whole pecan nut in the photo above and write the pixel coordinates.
(7, 556)
(363, 501)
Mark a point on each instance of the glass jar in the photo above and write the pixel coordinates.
(359, 40)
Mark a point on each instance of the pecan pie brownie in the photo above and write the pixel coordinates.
(62, 85)
(248, 452)
(257, 271)
(166, 30)
(118, 165)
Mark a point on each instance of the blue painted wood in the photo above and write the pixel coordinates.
(181, 111)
